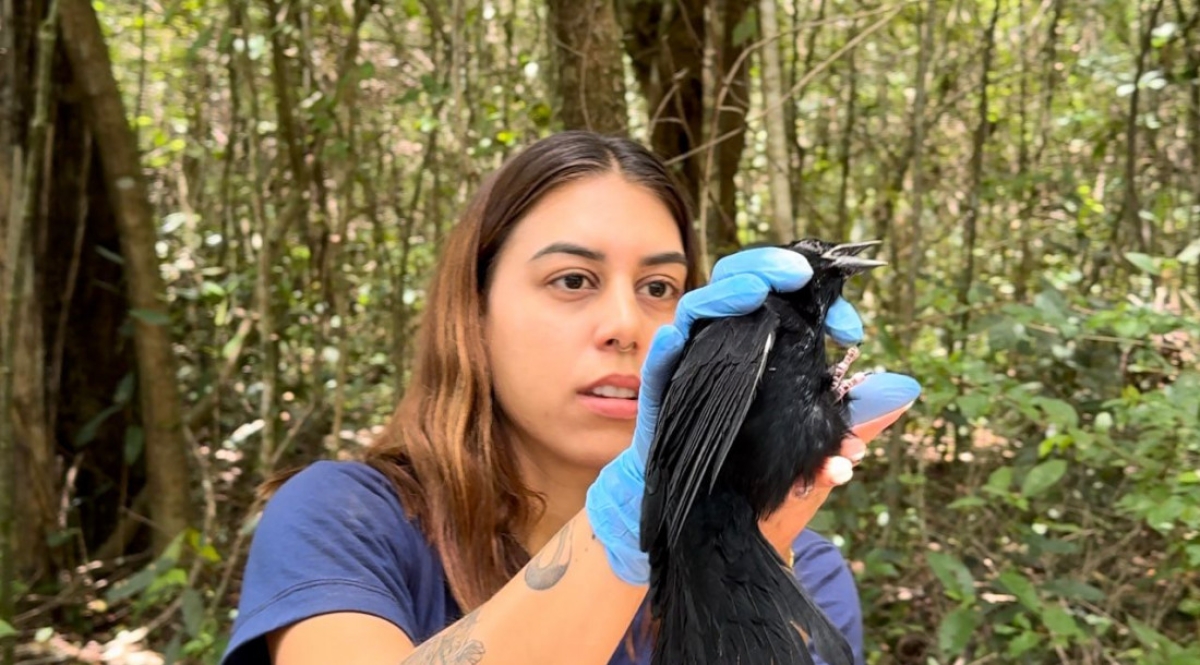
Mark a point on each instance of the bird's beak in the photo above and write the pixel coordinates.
(845, 256)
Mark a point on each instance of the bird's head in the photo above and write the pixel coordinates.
(832, 265)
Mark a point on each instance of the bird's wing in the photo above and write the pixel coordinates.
(702, 411)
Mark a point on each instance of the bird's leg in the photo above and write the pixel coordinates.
(840, 369)
(842, 385)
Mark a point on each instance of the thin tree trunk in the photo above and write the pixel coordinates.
(971, 220)
(1130, 205)
(166, 457)
(1027, 246)
(842, 231)
(914, 252)
(1193, 115)
(272, 235)
(349, 82)
(783, 219)
(588, 70)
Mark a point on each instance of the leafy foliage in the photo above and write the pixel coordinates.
(1041, 503)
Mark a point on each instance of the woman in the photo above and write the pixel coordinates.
(554, 313)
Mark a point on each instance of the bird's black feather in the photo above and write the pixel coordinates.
(750, 410)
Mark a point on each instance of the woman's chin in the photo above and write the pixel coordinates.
(601, 448)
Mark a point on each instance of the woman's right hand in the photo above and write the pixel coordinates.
(740, 284)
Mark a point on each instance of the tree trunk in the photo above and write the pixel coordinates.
(783, 219)
(166, 456)
(665, 42)
(588, 70)
(971, 221)
(913, 251)
(1130, 205)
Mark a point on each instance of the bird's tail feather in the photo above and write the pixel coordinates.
(723, 595)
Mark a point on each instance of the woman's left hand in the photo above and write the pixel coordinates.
(875, 404)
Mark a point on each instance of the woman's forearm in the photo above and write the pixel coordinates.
(566, 605)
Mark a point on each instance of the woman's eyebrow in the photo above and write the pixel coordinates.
(593, 255)
(665, 258)
(568, 248)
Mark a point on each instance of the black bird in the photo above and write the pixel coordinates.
(752, 407)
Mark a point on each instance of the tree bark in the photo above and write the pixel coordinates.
(588, 69)
(166, 458)
(971, 220)
(842, 230)
(783, 219)
(1130, 205)
(913, 252)
(665, 42)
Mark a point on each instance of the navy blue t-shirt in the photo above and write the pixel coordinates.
(335, 538)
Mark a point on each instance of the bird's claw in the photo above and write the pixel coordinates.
(845, 386)
(842, 385)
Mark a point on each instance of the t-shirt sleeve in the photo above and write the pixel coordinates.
(823, 571)
(331, 539)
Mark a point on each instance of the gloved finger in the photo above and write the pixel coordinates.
(664, 350)
(782, 269)
(733, 296)
(879, 401)
(853, 449)
(837, 471)
(843, 323)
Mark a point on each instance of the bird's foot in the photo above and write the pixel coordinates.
(840, 369)
(842, 385)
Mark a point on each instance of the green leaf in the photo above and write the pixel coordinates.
(1043, 476)
(133, 584)
(1152, 639)
(746, 28)
(966, 502)
(193, 611)
(150, 317)
(1020, 586)
(1070, 589)
(6, 629)
(973, 405)
(1190, 254)
(955, 577)
(1144, 262)
(1060, 622)
(110, 255)
(135, 439)
(956, 629)
(1059, 411)
(1000, 480)
(88, 432)
(1023, 643)
(124, 389)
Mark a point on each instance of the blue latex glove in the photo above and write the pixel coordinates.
(739, 285)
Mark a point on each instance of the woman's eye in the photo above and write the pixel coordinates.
(659, 289)
(573, 281)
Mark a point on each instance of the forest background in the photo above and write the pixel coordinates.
(218, 217)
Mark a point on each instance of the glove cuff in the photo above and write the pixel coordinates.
(614, 509)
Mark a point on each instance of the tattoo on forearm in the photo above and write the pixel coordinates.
(454, 646)
(549, 566)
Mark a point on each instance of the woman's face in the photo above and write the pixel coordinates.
(578, 290)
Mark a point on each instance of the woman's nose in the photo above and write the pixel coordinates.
(620, 321)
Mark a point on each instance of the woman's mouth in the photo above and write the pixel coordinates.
(612, 397)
